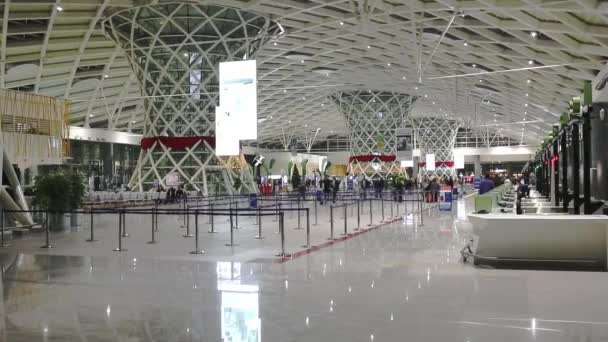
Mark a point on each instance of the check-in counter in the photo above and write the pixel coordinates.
(549, 238)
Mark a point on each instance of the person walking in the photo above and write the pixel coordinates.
(336, 188)
(326, 188)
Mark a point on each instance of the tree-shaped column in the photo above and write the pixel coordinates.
(175, 50)
(436, 136)
(373, 118)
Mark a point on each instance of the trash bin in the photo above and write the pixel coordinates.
(319, 196)
(253, 200)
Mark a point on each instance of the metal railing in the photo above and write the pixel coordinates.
(233, 207)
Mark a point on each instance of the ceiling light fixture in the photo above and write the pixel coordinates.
(275, 43)
(388, 64)
(474, 65)
(527, 94)
(59, 8)
(534, 34)
(465, 43)
(403, 78)
(106, 76)
(530, 62)
(369, 47)
(341, 23)
(528, 81)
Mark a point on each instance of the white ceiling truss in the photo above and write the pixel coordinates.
(58, 48)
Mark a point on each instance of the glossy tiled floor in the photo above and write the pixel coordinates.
(400, 282)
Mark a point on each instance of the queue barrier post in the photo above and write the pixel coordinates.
(153, 240)
(259, 236)
(299, 207)
(231, 244)
(124, 227)
(345, 219)
(187, 219)
(358, 215)
(279, 213)
(282, 231)
(307, 228)
(236, 215)
(331, 222)
(211, 220)
(421, 212)
(196, 249)
(2, 243)
(92, 227)
(382, 208)
(371, 213)
(47, 228)
(120, 233)
(316, 217)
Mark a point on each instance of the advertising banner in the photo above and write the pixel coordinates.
(405, 143)
(237, 119)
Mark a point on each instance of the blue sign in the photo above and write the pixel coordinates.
(445, 200)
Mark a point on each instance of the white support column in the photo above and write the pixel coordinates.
(180, 80)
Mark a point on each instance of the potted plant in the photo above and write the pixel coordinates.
(59, 192)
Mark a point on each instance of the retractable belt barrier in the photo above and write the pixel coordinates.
(275, 206)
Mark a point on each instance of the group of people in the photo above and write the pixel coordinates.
(172, 194)
(523, 184)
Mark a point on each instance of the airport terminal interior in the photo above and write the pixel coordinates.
(303, 170)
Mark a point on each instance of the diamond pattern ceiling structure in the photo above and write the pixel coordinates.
(548, 48)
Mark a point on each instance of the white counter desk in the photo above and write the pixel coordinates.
(552, 237)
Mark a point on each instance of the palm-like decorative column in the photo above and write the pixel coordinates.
(437, 136)
(175, 50)
(372, 118)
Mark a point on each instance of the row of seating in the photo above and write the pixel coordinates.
(492, 200)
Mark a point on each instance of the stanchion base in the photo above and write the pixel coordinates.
(298, 228)
(4, 245)
(231, 245)
(152, 242)
(119, 249)
(197, 252)
(343, 234)
(211, 232)
(257, 237)
(46, 246)
(236, 227)
(91, 240)
(125, 235)
(188, 235)
(330, 239)
(285, 255)
(356, 228)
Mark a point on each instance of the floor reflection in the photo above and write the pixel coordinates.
(240, 305)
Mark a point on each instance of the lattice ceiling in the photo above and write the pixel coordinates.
(57, 48)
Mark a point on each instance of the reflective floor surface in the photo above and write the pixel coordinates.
(401, 282)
